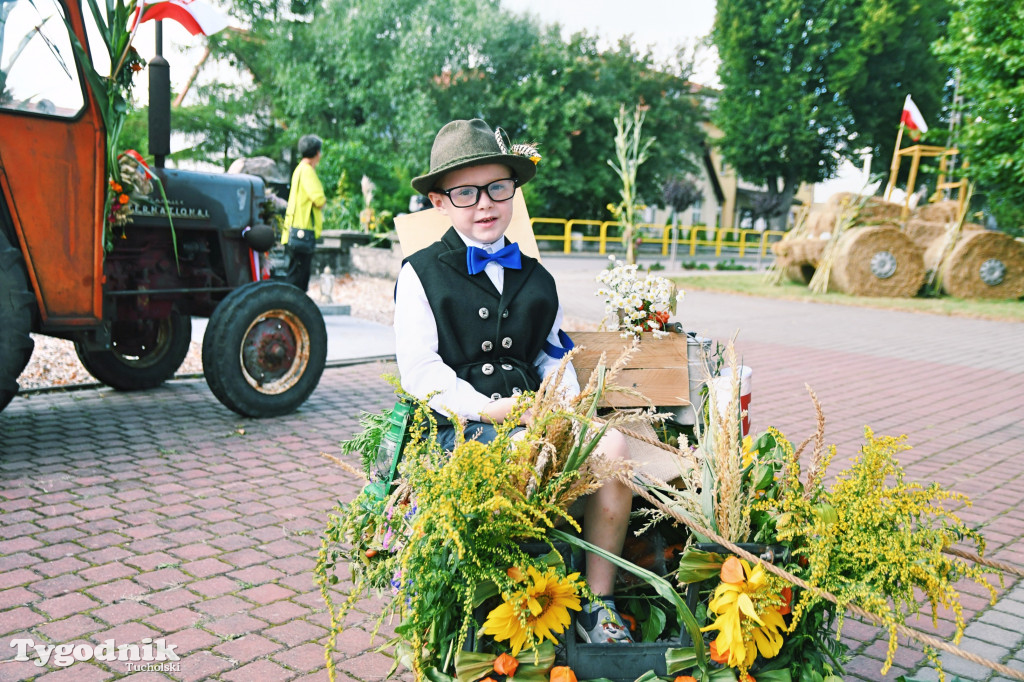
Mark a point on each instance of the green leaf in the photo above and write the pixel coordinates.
(652, 626)
(680, 659)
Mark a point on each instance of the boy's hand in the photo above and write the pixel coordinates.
(497, 411)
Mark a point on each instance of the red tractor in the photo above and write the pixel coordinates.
(128, 309)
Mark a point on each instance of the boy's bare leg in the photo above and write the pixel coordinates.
(606, 517)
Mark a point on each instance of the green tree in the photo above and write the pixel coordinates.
(222, 127)
(376, 79)
(887, 56)
(805, 84)
(986, 43)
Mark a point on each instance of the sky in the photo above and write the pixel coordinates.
(662, 25)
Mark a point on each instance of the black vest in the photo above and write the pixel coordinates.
(489, 339)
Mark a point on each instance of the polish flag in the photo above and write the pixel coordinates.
(196, 16)
(913, 119)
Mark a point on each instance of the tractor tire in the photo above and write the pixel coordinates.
(264, 350)
(143, 353)
(17, 309)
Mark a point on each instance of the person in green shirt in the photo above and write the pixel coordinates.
(305, 211)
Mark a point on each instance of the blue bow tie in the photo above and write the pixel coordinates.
(508, 257)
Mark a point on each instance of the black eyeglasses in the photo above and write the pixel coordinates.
(465, 196)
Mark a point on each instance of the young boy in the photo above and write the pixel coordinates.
(478, 323)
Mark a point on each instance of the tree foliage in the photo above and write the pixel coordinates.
(808, 82)
(986, 44)
(377, 78)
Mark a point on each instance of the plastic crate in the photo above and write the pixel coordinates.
(626, 662)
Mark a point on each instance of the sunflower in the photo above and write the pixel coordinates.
(748, 615)
(537, 611)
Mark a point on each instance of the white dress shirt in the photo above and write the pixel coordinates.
(420, 367)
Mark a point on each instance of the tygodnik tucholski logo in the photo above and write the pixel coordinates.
(153, 655)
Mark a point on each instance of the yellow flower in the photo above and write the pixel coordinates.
(748, 450)
(540, 610)
(748, 618)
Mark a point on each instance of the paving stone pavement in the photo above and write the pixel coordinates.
(162, 514)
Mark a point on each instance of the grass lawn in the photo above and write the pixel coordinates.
(753, 284)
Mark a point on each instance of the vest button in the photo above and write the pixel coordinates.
(484, 313)
(517, 391)
(495, 396)
(488, 368)
(507, 367)
(504, 313)
(487, 346)
(506, 342)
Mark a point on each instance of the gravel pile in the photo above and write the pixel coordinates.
(54, 362)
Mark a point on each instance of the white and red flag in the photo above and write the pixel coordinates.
(913, 119)
(196, 16)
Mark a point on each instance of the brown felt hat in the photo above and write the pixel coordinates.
(461, 144)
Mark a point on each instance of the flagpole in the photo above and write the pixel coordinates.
(894, 166)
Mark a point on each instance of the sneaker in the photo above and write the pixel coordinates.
(603, 625)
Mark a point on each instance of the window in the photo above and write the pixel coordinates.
(38, 73)
(696, 212)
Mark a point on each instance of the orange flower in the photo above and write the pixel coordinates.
(488, 679)
(516, 574)
(506, 665)
(787, 597)
(115, 187)
(685, 678)
(718, 656)
(562, 673)
(123, 199)
(732, 571)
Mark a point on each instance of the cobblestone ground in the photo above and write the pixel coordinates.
(162, 514)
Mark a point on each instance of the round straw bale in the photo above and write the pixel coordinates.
(877, 261)
(821, 221)
(984, 264)
(801, 274)
(798, 251)
(877, 210)
(944, 211)
(813, 249)
(925, 232)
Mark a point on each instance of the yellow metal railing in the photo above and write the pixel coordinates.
(689, 236)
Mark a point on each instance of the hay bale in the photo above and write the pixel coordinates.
(801, 274)
(874, 209)
(798, 251)
(821, 221)
(877, 261)
(982, 264)
(813, 250)
(944, 211)
(877, 211)
(925, 232)
(784, 252)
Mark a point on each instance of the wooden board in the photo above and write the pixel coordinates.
(658, 370)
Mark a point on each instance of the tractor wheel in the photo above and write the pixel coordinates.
(17, 307)
(264, 349)
(143, 353)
